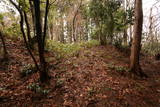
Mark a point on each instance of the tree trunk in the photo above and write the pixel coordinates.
(45, 23)
(23, 32)
(62, 40)
(28, 27)
(74, 21)
(103, 40)
(73, 28)
(5, 56)
(40, 38)
(33, 16)
(125, 37)
(136, 44)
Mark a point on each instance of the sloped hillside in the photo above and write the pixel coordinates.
(96, 77)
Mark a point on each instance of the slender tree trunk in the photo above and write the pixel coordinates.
(125, 37)
(69, 32)
(45, 23)
(73, 28)
(33, 16)
(28, 27)
(103, 40)
(73, 22)
(62, 40)
(23, 32)
(136, 44)
(5, 55)
(40, 38)
(86, 29)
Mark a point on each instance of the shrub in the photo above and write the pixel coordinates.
(64, 50)
(118, 43)
(28, 70)
(59, 83)
(91, 91)
(151, 48)
(37, 88)
(13, 31)
(117, 68)
(89, 44)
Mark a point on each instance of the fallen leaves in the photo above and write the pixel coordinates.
(79, 82)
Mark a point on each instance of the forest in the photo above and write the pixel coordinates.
(79, 53)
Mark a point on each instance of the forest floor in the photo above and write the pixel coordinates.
(97, 77)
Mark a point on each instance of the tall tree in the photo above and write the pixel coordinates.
(5, 55)
(74, 21)
(136, 44)
(41, 38)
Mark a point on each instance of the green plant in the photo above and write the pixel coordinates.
(65, 50)
(62, 50)
(37, 88)
(117, 68)
(59, 83)
(91, 91)
(120, 69)
(89, 44)
(151, 48)
(28, 70)
(118, 43)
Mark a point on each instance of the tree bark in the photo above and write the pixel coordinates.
(5, 55)
(23, 33)
(74, 21)
(136, 44)
(28, 27)
(43, 70)
(33, 16)
(102, 36)
(45, 23)
(125, 37)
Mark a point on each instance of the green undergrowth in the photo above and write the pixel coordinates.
(28, 69)
(119, 69)
(35, 87)
(151, 48)
(62, 50)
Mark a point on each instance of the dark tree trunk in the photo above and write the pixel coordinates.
(125, 37)
(40, 38)
(5, 55)
(33, 16)
(23, 33)
(45, 23)
(28, 27)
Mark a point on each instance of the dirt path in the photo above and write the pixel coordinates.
(85, 81)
